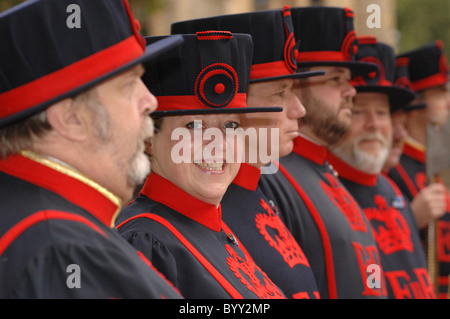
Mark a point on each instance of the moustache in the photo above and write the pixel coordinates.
(147, 129)
(373, 136)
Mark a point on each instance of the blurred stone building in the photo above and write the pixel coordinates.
(168, 11)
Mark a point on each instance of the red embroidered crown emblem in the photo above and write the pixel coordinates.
(390, 228)
(282, 240)
(345, 202)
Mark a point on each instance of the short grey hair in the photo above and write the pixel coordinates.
(19, 135)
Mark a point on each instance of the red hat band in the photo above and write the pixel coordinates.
(71, 77)
(86, 65)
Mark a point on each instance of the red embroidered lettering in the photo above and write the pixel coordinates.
(399, 283)
(443, 240)
(416, 290)
(345, 202)
(404, 287)
(367, 256)
(393, 233)
(246, 271)
(283, 241)
(424, 280)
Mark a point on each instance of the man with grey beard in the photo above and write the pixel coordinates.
(74, 116)
(359, 158)
(320, 213)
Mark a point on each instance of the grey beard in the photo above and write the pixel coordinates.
(361, 160)
(140, 163)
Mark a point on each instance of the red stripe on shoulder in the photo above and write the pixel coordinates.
(8, 238)
(326, 242)
(209, 267)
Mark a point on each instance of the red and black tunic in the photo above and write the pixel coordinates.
(395, 230)
(187, 241)
(56, 239)
(326, 221)
(410, 176)
(255, 220)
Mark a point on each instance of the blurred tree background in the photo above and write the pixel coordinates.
(420, 22)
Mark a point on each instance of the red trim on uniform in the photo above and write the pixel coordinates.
(248, 177)
(214, 35)
(208, 266)
(149, 263)
(310, 150)
(394, 186)
(326, 242)
(321, 56)
(192, 102)
(40, 216)
(69, 77)
(268, 70)
(407, 180)
(70, 188)
(163, 191)
(348, 172)
(413, 152)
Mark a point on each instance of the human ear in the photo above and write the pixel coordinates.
(68, 120)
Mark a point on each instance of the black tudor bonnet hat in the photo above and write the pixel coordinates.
(327, 37)
(275, 47)
(208, 74)
(383, 80)
(44, 59)
(427, 66)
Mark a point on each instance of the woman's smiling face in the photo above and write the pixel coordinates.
(201, 164)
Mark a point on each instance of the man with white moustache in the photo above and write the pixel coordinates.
(359, 158)
(72, 151)
(320, 213)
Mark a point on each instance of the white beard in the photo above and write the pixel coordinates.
(361, 160)
(140, 163)
(139, 169)
(368, 162)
